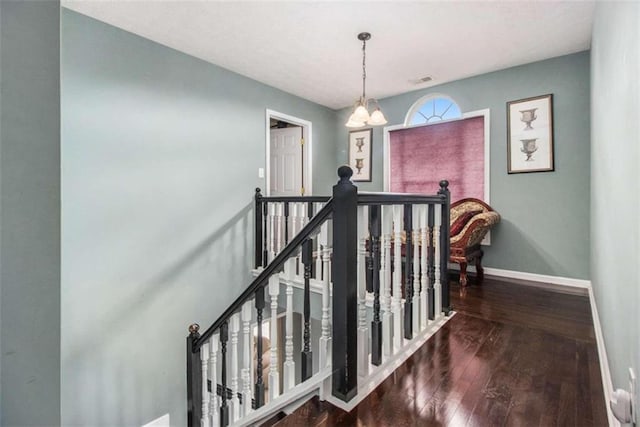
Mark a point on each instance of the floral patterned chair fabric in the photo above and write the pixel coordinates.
(470, 221)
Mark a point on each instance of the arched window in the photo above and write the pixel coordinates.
(438, 142)
(433, 108)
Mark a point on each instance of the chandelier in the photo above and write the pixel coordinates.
(360, 115)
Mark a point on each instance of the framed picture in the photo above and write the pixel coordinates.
(530, 134)
(360, 154)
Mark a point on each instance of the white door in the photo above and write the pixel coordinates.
(286, 168)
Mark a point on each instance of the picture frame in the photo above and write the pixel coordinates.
(360, 154)
(530, 135)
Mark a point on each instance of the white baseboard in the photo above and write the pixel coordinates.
(532, 278)
(605, 373)
(541, 278)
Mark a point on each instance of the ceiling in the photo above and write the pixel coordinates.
(310, 49)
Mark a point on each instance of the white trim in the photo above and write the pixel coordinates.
(386, 165)
(307, 134)
(486, 113)
(541, 278)
(380, 373)
(605, 372)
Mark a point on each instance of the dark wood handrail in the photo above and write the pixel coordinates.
(397, 199)
(264, 275)
(295, 199)
(404, 198)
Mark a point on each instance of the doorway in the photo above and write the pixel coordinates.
(288, 155)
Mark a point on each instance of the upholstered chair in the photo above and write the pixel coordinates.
(470, 221)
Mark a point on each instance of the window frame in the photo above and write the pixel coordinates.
(486, 113)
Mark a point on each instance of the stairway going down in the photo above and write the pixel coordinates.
(346, 289)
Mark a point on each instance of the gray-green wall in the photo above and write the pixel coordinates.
(30, 213)
(615, 178)
(545, 216)
(151, 139)
(159, 164)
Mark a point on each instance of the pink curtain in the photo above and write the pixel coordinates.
(423, 156)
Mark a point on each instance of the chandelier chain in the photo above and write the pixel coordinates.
(364, 69)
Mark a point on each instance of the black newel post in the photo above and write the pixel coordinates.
(345, 291)
(375, 229)
(445, 246)
(258, 229)
(306, 358)
(408, 272)
(194, 379)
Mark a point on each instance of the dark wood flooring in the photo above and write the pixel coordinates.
(514, 355)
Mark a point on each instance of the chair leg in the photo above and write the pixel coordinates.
(479, 269)
(463, 273)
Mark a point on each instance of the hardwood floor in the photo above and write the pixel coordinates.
(514, 355)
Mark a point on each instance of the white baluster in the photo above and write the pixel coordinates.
(204, 359)
(246, 357)
(363, 331)
(272, 231)
(289, 272)
(424, 279)
(437, 287)
(234, 328)
(289, 365)
(293, 220)
(274, 376)
(279, 227)
(385, 276)
(214, 403)
(302, 215)
(320, 273)
(325, 338)
(396, 299)
(417, 285)
(302, 222)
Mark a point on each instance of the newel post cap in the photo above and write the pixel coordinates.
(345, 172)
(193, 329)
(444, 184)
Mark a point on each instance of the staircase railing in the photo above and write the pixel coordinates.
(377, 255)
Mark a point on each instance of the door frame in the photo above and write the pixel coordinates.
(307, 151)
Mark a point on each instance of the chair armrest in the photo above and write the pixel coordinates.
(475, 230)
